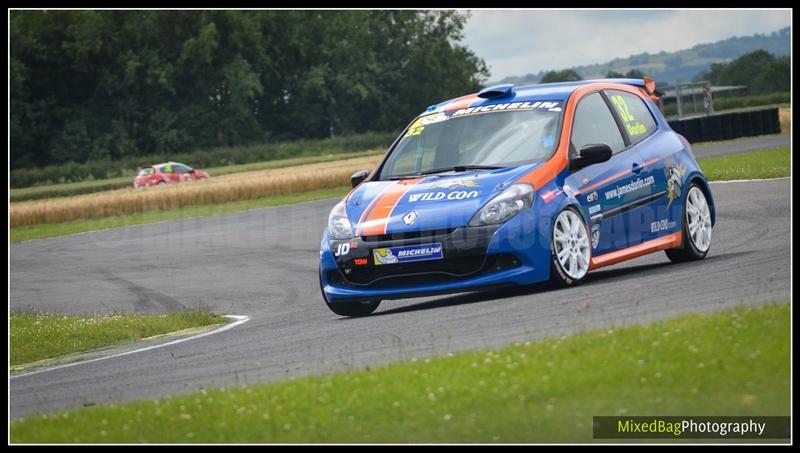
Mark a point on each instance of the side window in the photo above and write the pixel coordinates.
(594, 124)
(166, 168)
(180, 168)
(634, 114)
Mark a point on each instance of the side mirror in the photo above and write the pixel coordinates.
(592, 154)
(358, 177)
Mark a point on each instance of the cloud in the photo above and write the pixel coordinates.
(517, 42)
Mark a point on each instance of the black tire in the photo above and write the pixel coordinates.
(351, 309)
(687, 251)
(558, 275)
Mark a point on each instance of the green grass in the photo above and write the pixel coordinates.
(47, 230)
(763, 100)
(731, 363)
(768, 163)
(36, 336)
(84, 187)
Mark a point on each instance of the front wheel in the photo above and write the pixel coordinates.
(696, 228)
(570, 249)
(353, 309)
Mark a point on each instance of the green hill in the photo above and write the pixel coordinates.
(679, 66)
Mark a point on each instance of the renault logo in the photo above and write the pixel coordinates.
(410, 218)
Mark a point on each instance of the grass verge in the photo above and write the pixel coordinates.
(731, 363)
(47, 230)
(768, 163)
(36, 336)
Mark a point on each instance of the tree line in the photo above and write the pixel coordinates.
(107, 85)
(570, 75)
(760, 71)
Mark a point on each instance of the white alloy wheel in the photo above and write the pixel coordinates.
(698, 219)
(571, 244)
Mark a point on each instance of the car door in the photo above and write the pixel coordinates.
(183, 171)
(170, 175)
(660, 212)
(608, 190)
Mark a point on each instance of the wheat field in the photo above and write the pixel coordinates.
(222, 189)
(785, 118)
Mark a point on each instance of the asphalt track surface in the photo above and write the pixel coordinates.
(263, 264)
(742, 145)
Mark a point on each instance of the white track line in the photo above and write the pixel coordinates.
(238, 321)
(749, 180)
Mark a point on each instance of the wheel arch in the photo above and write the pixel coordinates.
(697, 177)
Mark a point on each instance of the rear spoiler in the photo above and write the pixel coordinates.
(647, 84)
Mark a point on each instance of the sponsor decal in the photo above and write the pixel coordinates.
(634, 126)
(594, 209)
(432, 119)
(360, 261)
(595, 235)
(410, 218)
(436, 196)
(633, 186)
(343, 249)
(405, 254)
(674, 174)
(592, 197)
(548, 196)
(454, 184)
(510, 106)
(661, 225)
(418, 126)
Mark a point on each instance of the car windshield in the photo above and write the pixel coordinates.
(455, 140)
(145, 171)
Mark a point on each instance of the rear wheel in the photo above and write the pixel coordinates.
(352, 309)
(696, 227)
(570, 247)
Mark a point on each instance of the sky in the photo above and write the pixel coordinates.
(518, 42)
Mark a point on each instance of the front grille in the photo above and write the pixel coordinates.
(464, 251)
(423, 272)
(401, 274)
(429, 234)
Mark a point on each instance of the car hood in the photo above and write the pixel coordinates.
(434, 202)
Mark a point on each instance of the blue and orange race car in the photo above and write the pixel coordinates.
(513, 186)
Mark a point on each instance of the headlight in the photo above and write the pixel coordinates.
(338, 224)
(504, 206)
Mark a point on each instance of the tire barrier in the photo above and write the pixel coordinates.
(728, 126)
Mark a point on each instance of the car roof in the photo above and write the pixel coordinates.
(539, 92)
(167, 163)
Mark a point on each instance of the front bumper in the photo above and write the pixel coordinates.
(473, 258)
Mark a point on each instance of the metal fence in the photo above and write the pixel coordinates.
(688, 99)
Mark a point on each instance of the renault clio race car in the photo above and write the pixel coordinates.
(513, 186)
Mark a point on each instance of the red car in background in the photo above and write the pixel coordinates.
(167, 173)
